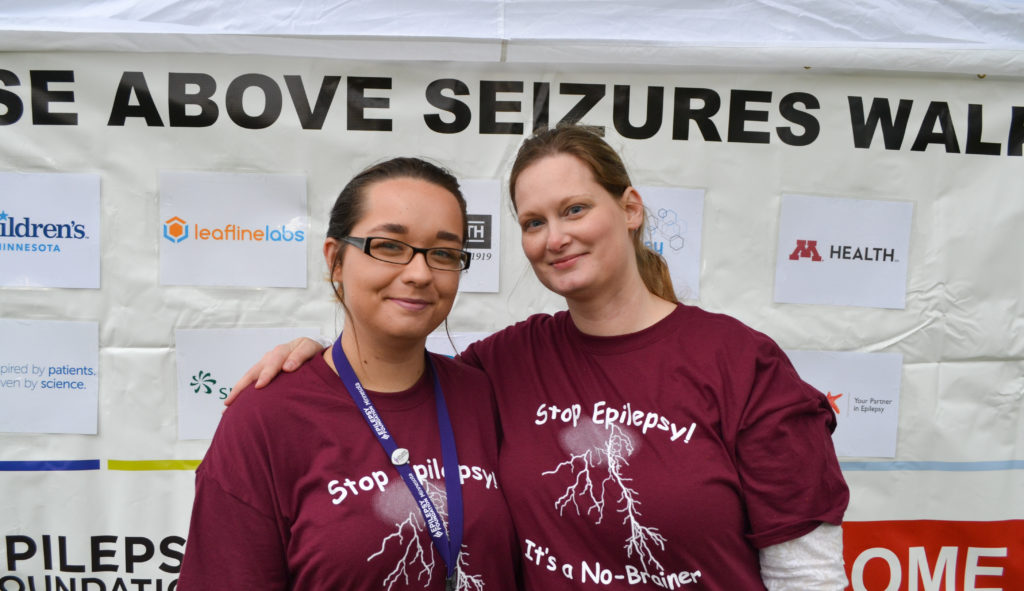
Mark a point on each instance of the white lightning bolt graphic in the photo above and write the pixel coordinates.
(417, 559)
(614, 451)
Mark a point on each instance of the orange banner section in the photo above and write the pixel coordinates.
(934, 555)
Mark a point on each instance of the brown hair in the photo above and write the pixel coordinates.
(586, 144)
(348, 207)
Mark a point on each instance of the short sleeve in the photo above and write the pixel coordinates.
(235, 538)
(786, 461)
(230, 544)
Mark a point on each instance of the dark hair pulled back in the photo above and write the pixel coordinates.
(349, 206)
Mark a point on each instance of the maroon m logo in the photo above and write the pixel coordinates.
(805, 249)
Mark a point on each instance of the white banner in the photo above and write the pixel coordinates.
(925, 168)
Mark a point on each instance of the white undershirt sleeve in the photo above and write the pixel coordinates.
(812, 562)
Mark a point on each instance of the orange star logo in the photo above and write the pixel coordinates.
(832, 401)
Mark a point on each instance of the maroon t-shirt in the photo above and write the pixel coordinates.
(295, 491)
(659, 459)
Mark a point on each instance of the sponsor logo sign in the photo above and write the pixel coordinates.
(864, 391)
(49, 376)
(674, 224)
(483, 237)
(49, 230)
(233, 229)
(209, 361)
(837, 251)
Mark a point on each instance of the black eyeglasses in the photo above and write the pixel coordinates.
(397, 252)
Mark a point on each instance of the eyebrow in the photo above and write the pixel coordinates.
(442, 235)
(403, 229)
(561, 203)
(393, 228)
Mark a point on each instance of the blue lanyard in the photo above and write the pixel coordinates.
(448, 546)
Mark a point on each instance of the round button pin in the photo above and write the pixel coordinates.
(400, 456)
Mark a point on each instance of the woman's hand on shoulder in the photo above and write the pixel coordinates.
(284, 357)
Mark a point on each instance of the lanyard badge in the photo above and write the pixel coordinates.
(448, 543)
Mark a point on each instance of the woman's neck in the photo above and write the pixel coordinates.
(381, 367)
(626, 311)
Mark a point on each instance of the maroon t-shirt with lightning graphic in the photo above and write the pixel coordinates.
(296, 492)
(661, 459)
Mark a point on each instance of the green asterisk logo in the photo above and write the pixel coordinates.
(203, 382)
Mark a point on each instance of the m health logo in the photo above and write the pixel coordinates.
(808, 249)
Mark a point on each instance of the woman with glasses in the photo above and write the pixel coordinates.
(373, 466)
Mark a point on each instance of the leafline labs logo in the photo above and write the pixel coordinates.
(177, 230)
(808, 249)
(30, 236)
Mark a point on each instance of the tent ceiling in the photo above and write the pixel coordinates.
(905, 35)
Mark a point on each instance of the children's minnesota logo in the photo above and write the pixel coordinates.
(175, 229)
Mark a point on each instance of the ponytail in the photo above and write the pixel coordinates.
(653, 268)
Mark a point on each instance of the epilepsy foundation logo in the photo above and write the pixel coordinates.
(176, 230)
(808, 249)
(27, 230)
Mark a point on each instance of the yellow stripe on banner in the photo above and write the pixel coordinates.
(148, 465)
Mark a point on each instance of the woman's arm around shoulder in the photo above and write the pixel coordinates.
(285, 357)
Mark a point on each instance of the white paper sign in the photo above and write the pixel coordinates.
(864, 390)
(49, 376)
(210, 361)
(233, 229)
(49, 230)
(483, 239)
(850, 252)
(675, 218)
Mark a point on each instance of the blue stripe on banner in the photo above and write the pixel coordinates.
(52, 465)
(932, 466)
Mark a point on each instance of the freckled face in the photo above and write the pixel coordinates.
(575, 234)
(400, 301)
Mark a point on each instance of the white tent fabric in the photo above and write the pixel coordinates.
(959, 36)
